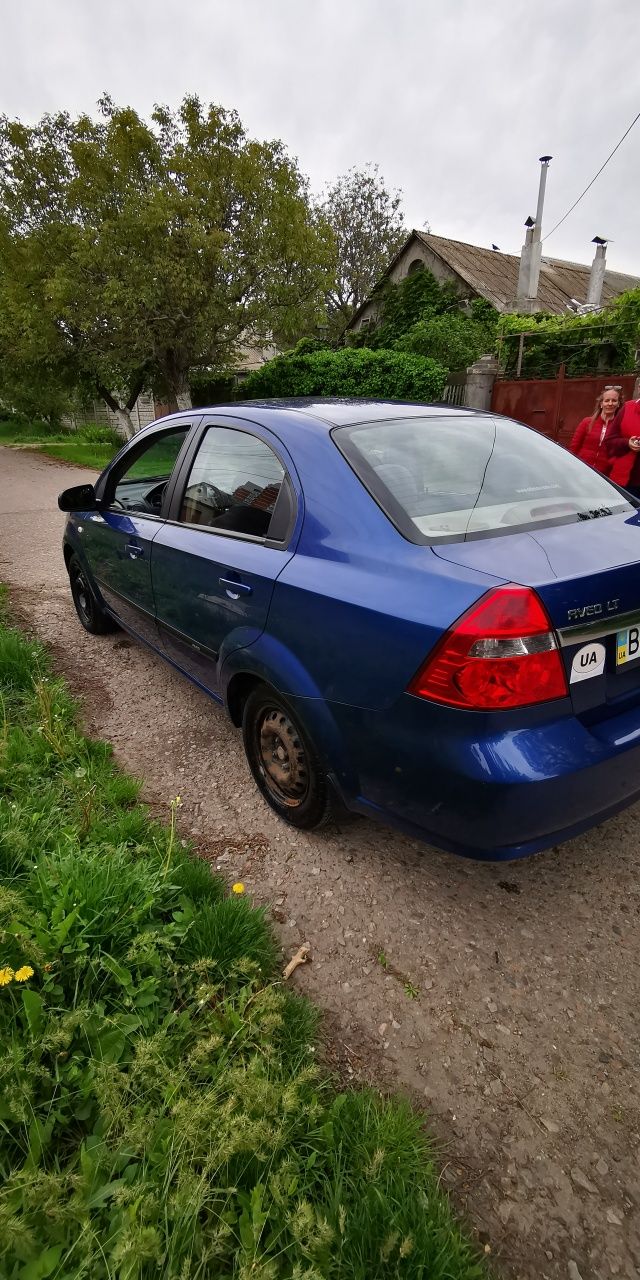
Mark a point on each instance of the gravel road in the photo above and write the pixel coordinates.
(503, 998)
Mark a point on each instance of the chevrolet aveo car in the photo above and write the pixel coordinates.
(423, 614)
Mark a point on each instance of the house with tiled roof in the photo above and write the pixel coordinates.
(493, 275)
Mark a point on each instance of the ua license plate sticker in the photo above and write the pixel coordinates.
(588, 662)
(627, 645)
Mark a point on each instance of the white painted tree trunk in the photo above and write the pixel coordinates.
(125, 424)
(183, 399)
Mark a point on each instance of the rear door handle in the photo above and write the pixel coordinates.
(134, 550)
(235, 589)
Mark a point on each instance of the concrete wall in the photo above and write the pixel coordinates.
(144, 411)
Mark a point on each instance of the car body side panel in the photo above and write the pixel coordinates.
(359, 605)
(197, 613)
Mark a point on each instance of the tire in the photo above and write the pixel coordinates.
(92, 616)
(284, 763)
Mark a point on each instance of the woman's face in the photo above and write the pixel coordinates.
(610, 403)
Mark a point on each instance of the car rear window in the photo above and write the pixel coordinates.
(463, 476)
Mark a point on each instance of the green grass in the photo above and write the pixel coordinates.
(89, 446)
(162, 1113)
(93, 456)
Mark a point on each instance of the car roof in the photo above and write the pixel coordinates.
(326, 412)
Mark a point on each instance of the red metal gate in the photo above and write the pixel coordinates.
(555, 406)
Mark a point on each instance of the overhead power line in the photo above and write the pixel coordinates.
(597, 175)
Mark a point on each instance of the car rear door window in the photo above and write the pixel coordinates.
(234, 483)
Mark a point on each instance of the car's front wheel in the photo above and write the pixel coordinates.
(284, 762)
(91, 614)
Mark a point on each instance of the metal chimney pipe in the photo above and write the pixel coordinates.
(598, 268)
(544, 163)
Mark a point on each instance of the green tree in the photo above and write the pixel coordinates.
(368, 230)
(152, 249)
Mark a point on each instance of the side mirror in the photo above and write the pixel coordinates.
(81, 497)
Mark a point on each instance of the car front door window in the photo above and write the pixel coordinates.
(141, 485)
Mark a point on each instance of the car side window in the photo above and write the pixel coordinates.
(141, 485)
(233, 484)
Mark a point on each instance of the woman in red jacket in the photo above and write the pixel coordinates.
(589, 438)
(623, 448)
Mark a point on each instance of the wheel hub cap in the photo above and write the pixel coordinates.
(283, 758)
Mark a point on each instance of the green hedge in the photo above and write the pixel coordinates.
(391, 375)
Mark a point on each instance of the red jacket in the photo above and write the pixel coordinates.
(590, 444)
(625, 464)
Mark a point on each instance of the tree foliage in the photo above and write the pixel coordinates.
(368, 230)
(607, 341)
(384, 374)
(135, 252)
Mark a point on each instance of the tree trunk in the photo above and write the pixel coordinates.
(183, 399)
(125, 425)
(123, 416)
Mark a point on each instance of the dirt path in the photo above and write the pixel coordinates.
(509, 1000)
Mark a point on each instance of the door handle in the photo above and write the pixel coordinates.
(235, 589)
(134, 550)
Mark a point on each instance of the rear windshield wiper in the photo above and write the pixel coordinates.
(594, 513)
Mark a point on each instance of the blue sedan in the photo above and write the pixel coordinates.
(426, 615)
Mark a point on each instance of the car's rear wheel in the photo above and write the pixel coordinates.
(91, 614)
(284, 763)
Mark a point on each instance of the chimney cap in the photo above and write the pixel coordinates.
(599, 240)
(530, 222)
(545, 159)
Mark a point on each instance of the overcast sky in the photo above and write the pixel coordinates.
(453, 99)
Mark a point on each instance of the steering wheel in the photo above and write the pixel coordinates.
(154, 497)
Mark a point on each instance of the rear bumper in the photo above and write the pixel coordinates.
(473, 785)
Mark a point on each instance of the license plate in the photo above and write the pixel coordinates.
(627, 645)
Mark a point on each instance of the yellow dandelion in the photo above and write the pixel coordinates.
(6, 976)
(22, 974)
(238, 887)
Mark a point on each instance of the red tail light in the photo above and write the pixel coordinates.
(501, 653)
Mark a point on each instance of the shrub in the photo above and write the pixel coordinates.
(212, 388)
(94, 434)
(454, 339)
(394, 375)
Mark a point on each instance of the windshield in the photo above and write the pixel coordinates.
(456, 477)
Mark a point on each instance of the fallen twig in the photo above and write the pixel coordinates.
(301, 957)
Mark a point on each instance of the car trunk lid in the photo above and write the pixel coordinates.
(588, 576)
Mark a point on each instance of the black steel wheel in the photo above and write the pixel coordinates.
(283, 761)
(91, 614)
